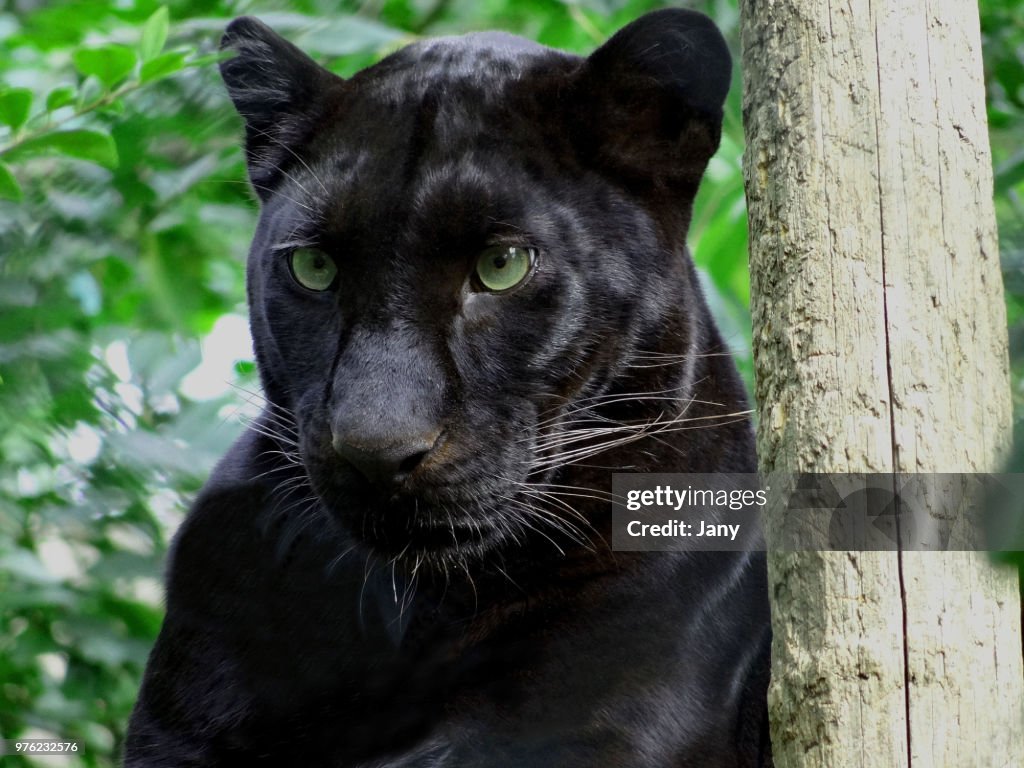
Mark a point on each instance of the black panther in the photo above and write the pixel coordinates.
(471, 302)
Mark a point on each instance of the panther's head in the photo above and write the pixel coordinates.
(462, 254)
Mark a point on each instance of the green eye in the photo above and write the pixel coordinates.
(313, 269)
(503, 267)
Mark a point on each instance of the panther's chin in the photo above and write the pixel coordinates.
(417, 530)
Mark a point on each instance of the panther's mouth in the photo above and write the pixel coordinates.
(405, 524)
(418, 523)
(436, 540)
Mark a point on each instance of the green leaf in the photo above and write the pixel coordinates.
(163, 65)
(245, 368)
(81, 143)
(154, 34)
(1010, 173)
(116, 107)
(14, 107)
(9, 187)
(209, 58)
(60, 97)
(109, 63)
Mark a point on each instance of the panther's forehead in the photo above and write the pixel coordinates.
(480, 63)
(438, 128)
(429, 182)
(478, 54)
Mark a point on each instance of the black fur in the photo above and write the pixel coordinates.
(399, 564)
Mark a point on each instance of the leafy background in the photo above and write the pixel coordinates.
(124, 221)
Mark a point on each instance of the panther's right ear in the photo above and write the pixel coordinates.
(280, 93)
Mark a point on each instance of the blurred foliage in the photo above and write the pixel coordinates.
(1002, 28)
(124, 221)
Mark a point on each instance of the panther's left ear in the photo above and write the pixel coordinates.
(280, 93)
(648, 103)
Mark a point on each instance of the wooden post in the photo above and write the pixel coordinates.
(880, 345)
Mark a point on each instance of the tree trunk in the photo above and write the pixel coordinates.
(879, 345)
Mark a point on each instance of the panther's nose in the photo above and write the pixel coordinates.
(384, 464)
